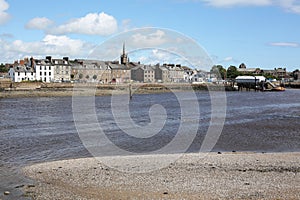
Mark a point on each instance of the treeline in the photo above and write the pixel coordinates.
(232, 72)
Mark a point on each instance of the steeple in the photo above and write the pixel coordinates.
(124, 57)
(124, 48)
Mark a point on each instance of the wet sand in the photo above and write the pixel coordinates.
(193, 176)
(26, 90)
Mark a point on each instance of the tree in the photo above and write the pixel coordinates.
(295, 74)
(3, 68)
(80, 76)
(72, 76)
(232, 72)
(87, 76)
(95, 77)
(219, 70)
(242, 66)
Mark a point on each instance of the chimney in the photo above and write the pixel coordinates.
(49, 58)
(32, 62)
(66, 59)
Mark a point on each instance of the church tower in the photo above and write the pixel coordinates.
(124, 56)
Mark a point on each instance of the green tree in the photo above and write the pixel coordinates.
(87, 76)
(3, 68)
(243, 66)
(219, 70)
(80, 76)
(295, 74)
(232, 72)
(72, 76)
(95, 77)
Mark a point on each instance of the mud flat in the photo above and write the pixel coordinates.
(26, 90)
(193, 176)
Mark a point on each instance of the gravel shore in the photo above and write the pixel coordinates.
(193, 176)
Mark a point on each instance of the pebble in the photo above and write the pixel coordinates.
(31, 186)
(6, 193)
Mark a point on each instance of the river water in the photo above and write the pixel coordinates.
(34, 130)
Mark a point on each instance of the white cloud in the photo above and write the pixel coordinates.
(228, 59)
(91, 24)
(290, 5)
(285, 44)
(50, 45)
(40, 23)
(154, 56)
(149, 39)
(126, 25)
(4, 16)
(230, 3)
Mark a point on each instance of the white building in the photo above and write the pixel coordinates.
(22, 71)
(45, 70)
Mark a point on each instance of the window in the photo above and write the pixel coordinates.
(40, 67)
(18, 73)
(31, 73)
(67, 72)
(45, 73)
(49, 73)
(41, 73)
(45, 67)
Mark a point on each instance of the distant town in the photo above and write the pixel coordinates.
(118, 72)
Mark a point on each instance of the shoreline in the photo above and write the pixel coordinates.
(27, 90)
(240, 175)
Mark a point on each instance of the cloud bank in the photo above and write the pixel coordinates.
(50, 45)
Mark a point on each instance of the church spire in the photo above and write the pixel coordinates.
(124, 52)
(124, 57)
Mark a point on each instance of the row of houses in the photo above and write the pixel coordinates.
(280, 73)
(45, 70)
(82, 70)
(115, 72)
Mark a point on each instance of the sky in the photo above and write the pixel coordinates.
(260, 33)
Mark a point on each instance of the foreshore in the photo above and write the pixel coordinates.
(37, 89)
(193, 176)
(40, 89)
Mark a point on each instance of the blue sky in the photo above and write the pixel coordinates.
(259, 33)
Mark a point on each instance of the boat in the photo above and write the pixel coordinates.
(257, 83)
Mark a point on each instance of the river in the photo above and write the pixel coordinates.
(34, 130)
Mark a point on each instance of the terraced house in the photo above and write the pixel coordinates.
(62, 70)
(22, 71)
(91, 71)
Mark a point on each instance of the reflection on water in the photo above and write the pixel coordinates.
(42, 129)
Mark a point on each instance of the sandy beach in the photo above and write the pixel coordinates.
(193, 176)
